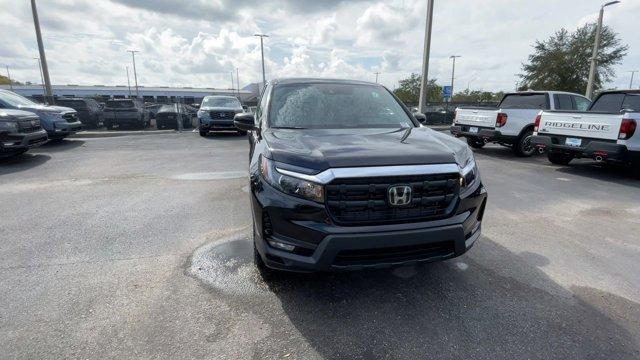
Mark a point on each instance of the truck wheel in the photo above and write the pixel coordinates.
(475, 143)
(523, 147)
(203, 133)
(635, 169)
(559, 159)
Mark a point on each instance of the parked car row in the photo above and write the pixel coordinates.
(27, 124)
(567, 126)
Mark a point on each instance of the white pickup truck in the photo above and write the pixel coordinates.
(511, 123)
(606, 132)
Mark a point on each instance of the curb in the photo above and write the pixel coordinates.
(107, 134)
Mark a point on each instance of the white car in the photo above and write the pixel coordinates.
(511, 123)
(606, 132)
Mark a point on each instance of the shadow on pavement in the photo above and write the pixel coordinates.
(22, 162)
(60, 145)
(225, 136)
(499, 306)
(612, 173)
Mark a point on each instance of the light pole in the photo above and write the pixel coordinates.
(233, 84)
(262, 36)
(377, 74)
(469, 83)
(596, 48)
(44, 88)
(128, 81)
(135, 74)
(238, 80)
(9, 77)
(633, 72)
(48, 93)
(453, 72)
(425, 59)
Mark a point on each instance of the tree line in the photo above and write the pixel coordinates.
(559, 63)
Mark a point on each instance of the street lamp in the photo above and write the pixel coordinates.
(596, 48)
(128, 81)
(135, 74)
(262, 36)
(44, 69)
(425, 59)
(377, 73)
(44, 88)
(633, 72)
(453, 72)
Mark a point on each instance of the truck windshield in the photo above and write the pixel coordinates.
(120, 104)
(525, 101)
(614, 102)
(15, 100)
(335, 106)
(221, 102)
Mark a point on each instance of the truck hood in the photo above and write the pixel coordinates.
(47, 108)
(16, 115)
(209, 108)
(322, 149)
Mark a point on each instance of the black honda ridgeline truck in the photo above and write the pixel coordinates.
(344, 177)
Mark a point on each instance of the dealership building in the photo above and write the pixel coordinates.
(160, 94)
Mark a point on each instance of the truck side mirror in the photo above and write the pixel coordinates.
(422, 118)
(245, 122)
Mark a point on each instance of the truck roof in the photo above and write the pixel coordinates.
(632, 91)
(321, 80)
(542, 92)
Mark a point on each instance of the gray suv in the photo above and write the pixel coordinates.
(19, 132)
(58, 121)
(216, 114)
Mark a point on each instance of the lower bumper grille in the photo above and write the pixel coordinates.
(392, 255)
(362, 201)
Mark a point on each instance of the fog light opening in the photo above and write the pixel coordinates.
(281, 246)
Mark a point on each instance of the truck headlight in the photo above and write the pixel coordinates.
(290, 185)
(469, 173)
(8, 126)
(203, 114)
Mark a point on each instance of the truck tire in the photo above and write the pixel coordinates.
(475, 143)
(523, 147)
(635, 169)
(203, 133)
(559, 159)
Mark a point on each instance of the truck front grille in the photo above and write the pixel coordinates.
(70, 117)
(29, 126)
(362, 201)
(222, 115)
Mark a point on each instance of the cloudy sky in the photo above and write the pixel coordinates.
(200, 42)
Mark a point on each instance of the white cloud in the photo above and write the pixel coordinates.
(200, 44)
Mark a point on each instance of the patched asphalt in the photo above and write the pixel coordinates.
(139, 246)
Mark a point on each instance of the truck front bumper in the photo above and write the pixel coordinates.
(484, 134)
(13, 143)
(64, 129)
(321, 245)
(217, 125)
(591, 149)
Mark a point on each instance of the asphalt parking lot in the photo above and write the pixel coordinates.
(137, 247)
